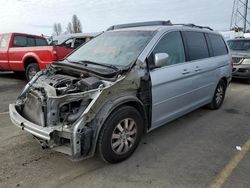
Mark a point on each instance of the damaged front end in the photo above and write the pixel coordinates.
(53, 107)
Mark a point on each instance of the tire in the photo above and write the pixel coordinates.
(112, 138)
(31, 71)
(219, 96)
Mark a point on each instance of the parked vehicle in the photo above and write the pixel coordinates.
(27, 53)
(74, 42)
(240, 50)
(128, 81)
(83, 37)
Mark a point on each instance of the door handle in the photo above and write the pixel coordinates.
(197, 69)
(185, 72)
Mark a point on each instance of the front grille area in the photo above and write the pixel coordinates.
(237, 60)
(242, 70)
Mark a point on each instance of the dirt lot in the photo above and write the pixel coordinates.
(198, 150)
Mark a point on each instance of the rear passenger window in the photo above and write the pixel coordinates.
(20, 41)
(218, 45)
(171, 44)
(41, 42)
(31, 41)
(197, 45)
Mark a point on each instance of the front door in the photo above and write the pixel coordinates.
(172, 84)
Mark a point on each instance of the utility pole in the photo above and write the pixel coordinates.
(239, 18)
(245, 16)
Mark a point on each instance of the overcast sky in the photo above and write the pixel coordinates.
(38, 16)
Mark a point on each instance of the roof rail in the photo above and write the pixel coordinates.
(154, 23)
(197, 26)
(139, 24)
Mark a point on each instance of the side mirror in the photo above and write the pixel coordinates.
(160, 59)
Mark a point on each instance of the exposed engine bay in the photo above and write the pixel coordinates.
(58, 99)
(59, 106)
(64, 84)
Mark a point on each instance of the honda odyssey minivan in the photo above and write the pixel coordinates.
(128, 81)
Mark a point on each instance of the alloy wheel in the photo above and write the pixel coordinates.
(124, 136)
(32, 72)
(219, 94)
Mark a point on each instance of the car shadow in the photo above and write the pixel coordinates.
(240, 81)
(12, 75)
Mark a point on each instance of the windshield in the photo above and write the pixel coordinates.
(239, 44)
(119, 48)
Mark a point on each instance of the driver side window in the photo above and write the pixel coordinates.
(171, 44)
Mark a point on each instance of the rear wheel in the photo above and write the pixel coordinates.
(120, 135)
(31, 70)
(219, 96)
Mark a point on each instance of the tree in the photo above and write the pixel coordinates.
(69, 28)
(75, 25)
(57, 29)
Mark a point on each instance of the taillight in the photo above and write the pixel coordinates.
(54, 55)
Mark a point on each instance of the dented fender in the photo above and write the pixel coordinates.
(98, 121)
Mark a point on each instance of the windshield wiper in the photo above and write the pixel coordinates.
(95, 63)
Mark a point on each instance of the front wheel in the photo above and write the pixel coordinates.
(120, 135)
(219, 96)
(31, 70)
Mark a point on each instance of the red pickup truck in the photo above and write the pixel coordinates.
(28, 53)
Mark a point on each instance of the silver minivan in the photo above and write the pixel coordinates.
(125, 82)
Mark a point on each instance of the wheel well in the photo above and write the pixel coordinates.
(28, 61)
(224, 79)
(138, 107)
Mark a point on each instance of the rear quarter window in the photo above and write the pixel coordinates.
(4, 39)
(31, 41)
(196, 45)
(41, 42)
(218, 45)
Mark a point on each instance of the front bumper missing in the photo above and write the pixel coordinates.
(36, 130)
(47, 134)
